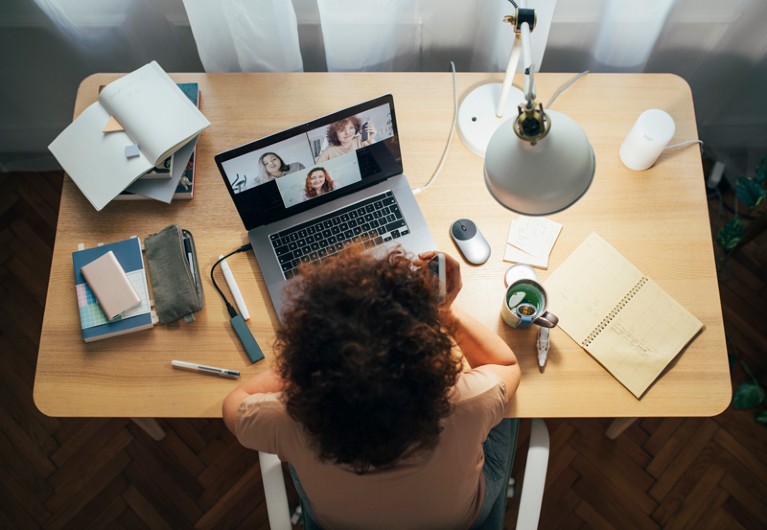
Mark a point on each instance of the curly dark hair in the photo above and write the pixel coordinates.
(333, 128)
(365, 351)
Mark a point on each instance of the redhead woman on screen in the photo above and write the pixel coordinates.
(346, 136)
(318, 182)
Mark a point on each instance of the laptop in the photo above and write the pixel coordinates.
(305, 193)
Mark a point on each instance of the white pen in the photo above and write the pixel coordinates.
(232, 283)
(222, 372)
(188, 249)
(543, 347)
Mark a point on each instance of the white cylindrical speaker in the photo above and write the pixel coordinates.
(647, 139)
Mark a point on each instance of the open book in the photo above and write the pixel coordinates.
(178, 168)
(619, 315)
(155, 115)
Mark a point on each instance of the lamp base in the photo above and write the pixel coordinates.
(477, 121)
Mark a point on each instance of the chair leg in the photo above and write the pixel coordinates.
(274, 491)
(534, 479)
(617, 427)
(151, 427)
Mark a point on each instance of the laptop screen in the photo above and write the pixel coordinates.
(310, 164)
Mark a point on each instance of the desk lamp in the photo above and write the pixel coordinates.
(486, 107)
(540, 162)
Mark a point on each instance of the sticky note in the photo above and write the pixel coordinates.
(530, 241)
(131, 151)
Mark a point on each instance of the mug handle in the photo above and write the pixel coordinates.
(547, 320)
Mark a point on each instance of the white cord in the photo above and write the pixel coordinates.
(682, 144)
(565, 87)
(455, 117)
(578, 76)
(449, 138)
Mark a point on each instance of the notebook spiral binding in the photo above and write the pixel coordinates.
(617, 309)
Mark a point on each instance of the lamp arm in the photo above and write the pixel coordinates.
(511, 68)
(523, 20)
(532, 124)
(527, 63)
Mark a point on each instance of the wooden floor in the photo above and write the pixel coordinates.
(106, 473)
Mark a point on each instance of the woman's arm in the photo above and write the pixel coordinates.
(483, 347)
(480, 345)
(268, 381)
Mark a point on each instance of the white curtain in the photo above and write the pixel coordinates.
(418, 35)
(718, 47)
(245, 35)
(360, 35)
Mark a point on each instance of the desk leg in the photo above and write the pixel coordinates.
(617, 427)
(151, 427)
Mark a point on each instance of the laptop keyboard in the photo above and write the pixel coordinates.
(371, 222)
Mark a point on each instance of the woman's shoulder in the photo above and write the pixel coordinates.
(263, 423)
(476, 383)
(260, 402)
(479, 399)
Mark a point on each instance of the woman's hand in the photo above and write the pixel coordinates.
(453, 282)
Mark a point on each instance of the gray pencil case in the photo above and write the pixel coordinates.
(176, 283)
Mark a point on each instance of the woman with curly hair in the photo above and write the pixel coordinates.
(318, 182)
(346, 136)
(387, 403)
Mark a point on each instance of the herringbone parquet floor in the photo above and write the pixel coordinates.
(107, 473)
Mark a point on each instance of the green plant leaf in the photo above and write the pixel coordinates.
(730, 234)
(761, 417)
(749, 191)
(748, 395)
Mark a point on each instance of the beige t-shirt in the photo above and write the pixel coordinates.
(336, 150)
(440, 489)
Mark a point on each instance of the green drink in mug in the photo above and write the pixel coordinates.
(525, 304)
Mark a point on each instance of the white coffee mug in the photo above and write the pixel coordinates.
(524, 303)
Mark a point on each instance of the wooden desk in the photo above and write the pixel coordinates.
(658, 219)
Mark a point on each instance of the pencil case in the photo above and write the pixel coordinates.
(175, 276)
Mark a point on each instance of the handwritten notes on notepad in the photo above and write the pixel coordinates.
(623, 319)
(530, 241)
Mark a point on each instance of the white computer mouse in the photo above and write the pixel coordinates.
(470, 241)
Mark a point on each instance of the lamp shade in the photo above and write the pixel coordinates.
(543, 178)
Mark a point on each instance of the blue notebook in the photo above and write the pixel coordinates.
(93, 321)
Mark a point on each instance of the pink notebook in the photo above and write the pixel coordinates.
(111, 286)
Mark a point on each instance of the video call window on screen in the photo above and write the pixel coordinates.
(312, 164)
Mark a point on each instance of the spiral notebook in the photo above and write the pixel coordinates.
(621, 317)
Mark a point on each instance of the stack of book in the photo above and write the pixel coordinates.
(173, 178)
(137, 140)
(112, 290)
